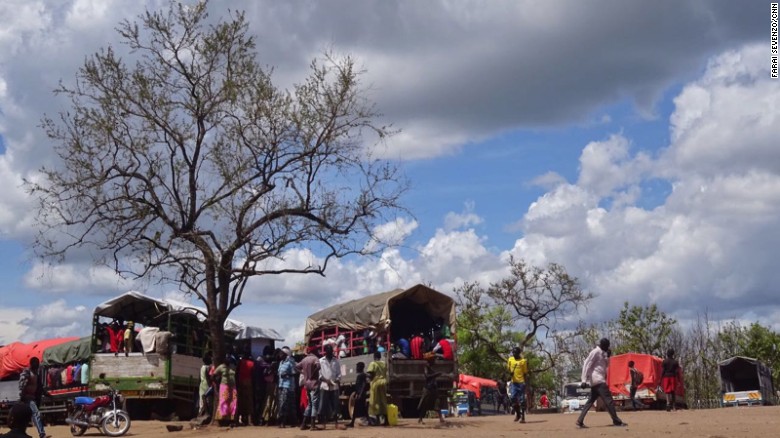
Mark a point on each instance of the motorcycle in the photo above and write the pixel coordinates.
(102, 412)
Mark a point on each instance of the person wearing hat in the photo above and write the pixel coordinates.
(287, 406)
(594, 373)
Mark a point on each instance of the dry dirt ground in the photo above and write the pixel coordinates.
(713, 423)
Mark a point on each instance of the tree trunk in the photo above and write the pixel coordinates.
(217, 337)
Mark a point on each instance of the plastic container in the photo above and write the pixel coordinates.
(392, 414)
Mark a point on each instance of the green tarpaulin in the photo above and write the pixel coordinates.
(73, 351)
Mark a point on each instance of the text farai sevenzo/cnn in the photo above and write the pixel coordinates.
(773, 40)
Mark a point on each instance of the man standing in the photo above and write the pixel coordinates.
(518, 368)
(309, 367)
(594, 373)
(30, 391)
(330, 378)
(636, 378)
(669, 376)
(287, 406)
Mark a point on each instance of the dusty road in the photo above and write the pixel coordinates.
(712, 423)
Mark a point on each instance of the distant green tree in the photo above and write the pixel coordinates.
(642, 329)
(517, 311)
(485, 337)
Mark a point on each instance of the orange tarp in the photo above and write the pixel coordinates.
(473, 383)
(15, 356)
(618, 376)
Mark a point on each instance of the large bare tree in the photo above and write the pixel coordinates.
(189, 165)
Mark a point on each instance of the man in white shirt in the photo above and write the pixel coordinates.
(330, 378)
(594, 373)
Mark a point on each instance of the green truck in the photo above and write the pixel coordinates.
(159, 375)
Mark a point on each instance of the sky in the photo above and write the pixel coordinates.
(636, 143)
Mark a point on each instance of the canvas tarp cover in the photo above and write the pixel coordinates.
(475, 384)
(618, 376)
(68, 352)
(373, 312)
(746, 374)
(135, 306)
(15, 356)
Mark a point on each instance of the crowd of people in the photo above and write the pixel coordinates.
(275, 389)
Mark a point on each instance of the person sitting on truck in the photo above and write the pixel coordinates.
(406, 350)
(377, 404)
(669, 376)
(417, 346)
(443, 348)
(19, 417)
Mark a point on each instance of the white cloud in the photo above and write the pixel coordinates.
(467, 218)
(51, 320)
(711, 243)
(67, 277)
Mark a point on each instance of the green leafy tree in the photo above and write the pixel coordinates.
(188, 165)
(484, 333)
(642, 329)
(515, 311)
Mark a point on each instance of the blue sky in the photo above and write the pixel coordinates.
(633, 142)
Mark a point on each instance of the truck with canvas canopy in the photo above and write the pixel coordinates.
(745, 381)
(378, 322)
(157, 366)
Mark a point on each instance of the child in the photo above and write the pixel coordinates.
(361, 394)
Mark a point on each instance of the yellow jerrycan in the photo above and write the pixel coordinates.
(392, 414)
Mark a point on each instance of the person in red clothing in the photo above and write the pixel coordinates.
(544, 402)
(417, 346)
(245, 388)
(443, 348)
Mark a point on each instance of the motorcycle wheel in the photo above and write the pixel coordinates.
(108, 428)
(77, 430)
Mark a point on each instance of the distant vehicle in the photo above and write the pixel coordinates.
(466, 403)
(649, 392)
(745, 381)
(574, 397)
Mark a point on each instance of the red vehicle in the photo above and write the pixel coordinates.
(101, 412)
(649, 392)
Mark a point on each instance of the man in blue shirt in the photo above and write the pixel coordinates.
(287, 407)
